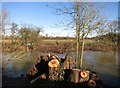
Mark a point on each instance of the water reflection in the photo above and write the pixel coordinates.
(21, 68)
(16, 68)
(105, 63)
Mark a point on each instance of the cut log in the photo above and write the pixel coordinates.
(84, 76)
(76, 75)
(53, 73)
(68, 62)
(72, 75)
(92, 83)
(53, 63)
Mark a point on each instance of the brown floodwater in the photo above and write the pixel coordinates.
(105, 63)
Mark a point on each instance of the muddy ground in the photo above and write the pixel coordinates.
(23, 82)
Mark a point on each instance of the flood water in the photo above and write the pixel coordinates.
(105, 63)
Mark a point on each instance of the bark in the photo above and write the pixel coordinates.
(68, 62)
(81, 56)
(77, 34)
(53, 73)
(72, 75)
(83, 35)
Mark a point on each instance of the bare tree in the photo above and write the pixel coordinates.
(14, 29)
(14, 38)
(85, 17)
(4, 19)
(29, 35)
(113, 31)
(89, 22)
(109, 32)
(3, 24)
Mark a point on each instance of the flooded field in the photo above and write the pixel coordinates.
(105, 63)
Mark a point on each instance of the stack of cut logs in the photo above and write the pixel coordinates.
(49, 67)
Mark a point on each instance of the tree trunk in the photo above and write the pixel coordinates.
(77, 34)
(81, 55)
(83, 37)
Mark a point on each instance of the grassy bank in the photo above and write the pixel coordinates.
(70, 44)
(64, 41)
(63, 45)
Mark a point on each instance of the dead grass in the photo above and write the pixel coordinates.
(64, 41)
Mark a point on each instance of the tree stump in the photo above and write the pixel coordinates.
(76, 75)
(72, 75)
